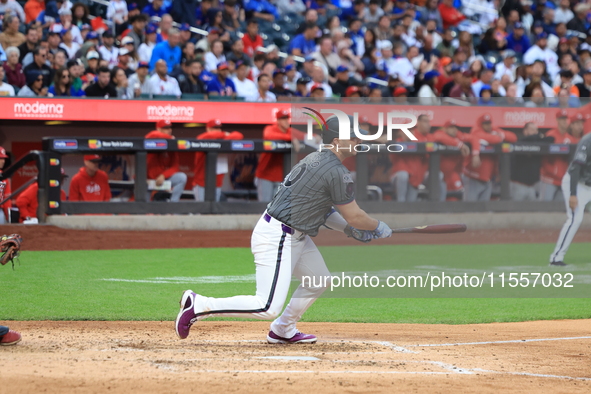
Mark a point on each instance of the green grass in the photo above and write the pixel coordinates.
(71, 286)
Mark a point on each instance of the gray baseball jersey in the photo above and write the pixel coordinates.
(583, 159)
(310, 190)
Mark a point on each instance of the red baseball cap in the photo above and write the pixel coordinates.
(163, 124)
(3, 154)
(351, 90)
(450, 123)
(92, 157)
(486, 118)
(282, 113)
(214, 124)
(399, 91)
(577, 116)
(562, 114)
(364, 119)
(316, 86)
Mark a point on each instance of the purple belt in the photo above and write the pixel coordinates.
(284, 227)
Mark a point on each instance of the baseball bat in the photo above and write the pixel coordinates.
(433, 229)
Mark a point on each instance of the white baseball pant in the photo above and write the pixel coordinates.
(573, 218)
(277, 255)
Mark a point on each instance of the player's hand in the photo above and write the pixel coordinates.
(160, 180)
(476, 161)
(360, 235)
(573, 202)
(382, 231)
(465, 150)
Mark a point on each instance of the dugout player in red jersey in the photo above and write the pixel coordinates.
(452, 165)
(409, 171)
(164, 166)
(479, 171)
(269, 173)
(4, 189)
(27, 202)
(90, 183)
(554, 166)
(213, 131)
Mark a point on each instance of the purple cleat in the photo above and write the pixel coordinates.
(297, 338)
(186, 316)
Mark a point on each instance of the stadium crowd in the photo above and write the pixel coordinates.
(523, 52)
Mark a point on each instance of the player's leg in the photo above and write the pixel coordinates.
(265, 189)
(442, 187)
(311, 266)
(473, 189)
(486, 192)
(573, 219)
(400, 181)
(199, 193)
(547, 191)
(273, 251)
(178, 182)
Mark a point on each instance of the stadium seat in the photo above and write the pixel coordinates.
(164, 97)
(193, 96)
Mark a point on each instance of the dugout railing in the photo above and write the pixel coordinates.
(55, 148)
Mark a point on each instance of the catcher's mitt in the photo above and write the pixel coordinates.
(360, 235)
(10, 246)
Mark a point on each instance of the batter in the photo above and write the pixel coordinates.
(576, 188)
(282, 245)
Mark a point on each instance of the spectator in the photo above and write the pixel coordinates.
(305, 43)
(428, 92)
(372, 13)
(108, 51)
(190, 79)
(400, 95)
(163, 84)
(318, 78)
(479, 171)
(563, 14)
(237, 54)
(68, 44)
(66, 24)
(60, 58)
(262, 93)
(507, 66)
(76, 68)
(291, 77)
(124, 60)
(145, 49)
(404, 68)
(585, 86)
(518, 41)
(6, 90)
(35, 86)
(27, 202)
(450, 15)
(12, 8)
(317, 92)
(213, 131)
(169, 51)
(231, 16)
(11, 36)
(221, 85)
(463, 89)
(102, 87)
(244, 86)
(541, 51)
(554, 167)
(138, 29)
(525, 168)
(327, 57)
(215, 57)
(155, 8)
(117, 12)
(286, 7)
(39, 67)
(32, 9)
(13, 69)
(252, 40)
(139, 83)
(53, 43)
(343, 81)
(80, 15)
(120, 82)
(269, 173)
(205, 43)
(456, 78)
(92, 59)
(302, 87)
(579, 22)
(62, 84)
(32, 40)
(261, 9)
(164, 166)
(185, 34)
(279, 89)
(90, 183)
(431, 13)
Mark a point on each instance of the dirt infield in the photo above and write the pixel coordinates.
(54, 238)
(146, 357)
(130, 357)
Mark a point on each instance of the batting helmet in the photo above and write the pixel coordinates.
(331, 131)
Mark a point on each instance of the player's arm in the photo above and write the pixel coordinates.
(357, 217)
